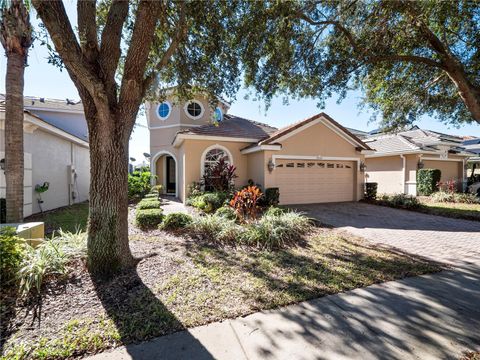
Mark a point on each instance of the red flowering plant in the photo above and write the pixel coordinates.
(219, 177)
(449, 186)
(244, 203)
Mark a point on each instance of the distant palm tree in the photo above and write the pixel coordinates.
(16, 38)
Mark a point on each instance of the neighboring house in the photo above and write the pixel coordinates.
(56, 152)
(397, 157)
(472, 144)
(311, 161)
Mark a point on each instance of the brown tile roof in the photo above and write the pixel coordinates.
(285, 130)
(233, 126)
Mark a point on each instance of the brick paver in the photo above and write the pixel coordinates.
(453, 241)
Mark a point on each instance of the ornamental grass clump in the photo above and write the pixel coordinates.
(215, 228)
(277, 230)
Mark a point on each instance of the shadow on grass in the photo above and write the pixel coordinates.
(139, 315)
(434, 315)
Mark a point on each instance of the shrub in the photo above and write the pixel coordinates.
(151, 196)
(215, 228)
(465, 198)
(195, 189)
(272, 196)
(148, 204)
(427, 181)
(400, 200)
(275, 211)
(276, 231)
(139, 183)
(175, 221)
(219, 177)
(448, 186)
(208, 202)
(11, 253)
(371, 190)
(50, 259)
(148, 218)
(156, 189)
(245, 203)
(226, 212)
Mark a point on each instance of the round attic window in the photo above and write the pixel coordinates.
(194, 109)
(163, 110)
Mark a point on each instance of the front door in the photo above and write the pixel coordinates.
(171, 185)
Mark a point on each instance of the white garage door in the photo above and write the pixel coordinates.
(308, 182)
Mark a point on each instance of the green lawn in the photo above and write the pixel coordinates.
(69, 218)
(189, 283)
(454, 210)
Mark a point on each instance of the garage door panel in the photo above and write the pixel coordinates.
(303, 182)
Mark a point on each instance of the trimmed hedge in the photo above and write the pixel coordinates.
(371, 190)
(272, 196)
(175, 221)
(148, 204)
(148, 218)
(427, 181)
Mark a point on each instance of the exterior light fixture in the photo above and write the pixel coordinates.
(420, 165)
(270, 165)
(363, 166)
(2, 164)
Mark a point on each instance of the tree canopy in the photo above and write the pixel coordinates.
(409, 58)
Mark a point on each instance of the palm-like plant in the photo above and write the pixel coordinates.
(16, 38)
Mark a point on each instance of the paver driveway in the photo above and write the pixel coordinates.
(453, 241)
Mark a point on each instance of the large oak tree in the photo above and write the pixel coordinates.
(120, 51)
(16, 38)
(409, 57)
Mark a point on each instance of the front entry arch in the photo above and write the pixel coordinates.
(165, 167)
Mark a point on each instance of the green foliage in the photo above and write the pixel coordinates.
(428, 180)
(447, 196)
(371, 191)
(148, 203)
(216, 229)
(157, 189)
(11, 253)
(275, 211)
(50, 259)
(383, 48)
(208, 202)
(148, 218)
(139, 183)
(245, 202)
(175, 221)
(272, 196)
(400, 200)
(226, 212)
(273, 231)
(151, 196)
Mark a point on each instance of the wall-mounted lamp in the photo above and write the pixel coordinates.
(420, 165)
(2, 164)
(363, 166)
(270, 165)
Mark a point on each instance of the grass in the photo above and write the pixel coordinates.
(453, 210)
(193, 283)
(69, 218)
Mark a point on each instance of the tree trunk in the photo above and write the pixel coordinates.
(14, 136)
(108, 249)
(469, 93)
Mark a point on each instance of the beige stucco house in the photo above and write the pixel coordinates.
(398, 156)
(311, 161)
(56, 152)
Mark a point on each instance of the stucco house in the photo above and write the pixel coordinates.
(311, 161)
(56, 152)
(399, 155)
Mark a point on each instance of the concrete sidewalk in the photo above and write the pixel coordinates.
(427, 317)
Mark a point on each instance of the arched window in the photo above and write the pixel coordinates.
(213, 156)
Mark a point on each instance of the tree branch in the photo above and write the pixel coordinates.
(177, 39)
(53, 15)
(131, 90)
(87, 28)
(110, 50)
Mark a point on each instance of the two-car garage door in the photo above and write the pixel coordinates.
(307, 182)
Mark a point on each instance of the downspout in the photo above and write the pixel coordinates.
(404, 168)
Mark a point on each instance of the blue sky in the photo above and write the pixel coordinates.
(43, 79)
